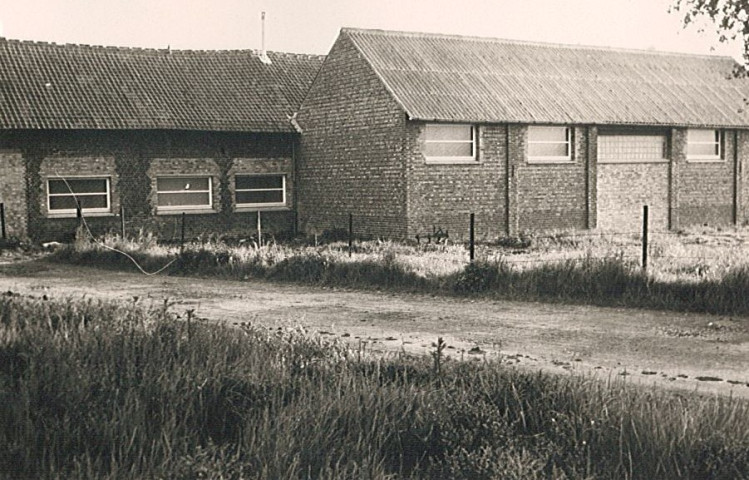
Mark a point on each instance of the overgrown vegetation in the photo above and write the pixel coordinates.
(102, 390)
(702, 272)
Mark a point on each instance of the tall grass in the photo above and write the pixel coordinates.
(587, 270)
(102, 390)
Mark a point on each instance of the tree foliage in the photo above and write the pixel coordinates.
(729, 17)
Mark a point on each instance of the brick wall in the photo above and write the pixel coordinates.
(351, 150)
(624, 188)
(706, 189)
(12, 193)
(443, 196)
(552, 196)
(132, 159)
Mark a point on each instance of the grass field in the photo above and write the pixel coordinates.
(102, 390)
(702, 270)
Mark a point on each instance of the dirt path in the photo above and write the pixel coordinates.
(687, 351)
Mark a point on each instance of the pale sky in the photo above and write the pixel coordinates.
(310, 26)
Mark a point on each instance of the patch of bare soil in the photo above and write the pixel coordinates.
(675, 350)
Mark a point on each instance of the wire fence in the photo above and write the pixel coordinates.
(534, 248)
(665, 249)
(712, 247)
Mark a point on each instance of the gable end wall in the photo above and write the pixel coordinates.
(351, 159)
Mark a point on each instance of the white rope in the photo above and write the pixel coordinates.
(101, 244)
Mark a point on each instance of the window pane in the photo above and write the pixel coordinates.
(274, 196)
(547, 150)
(702, 150)
(183, 199)
(449, 132)
(68, 202)
(694, 135)
(93, 201)
(62, 203)
(254, 182)
(173, 184)
(448, 150)
(547, 134)
(78, 185)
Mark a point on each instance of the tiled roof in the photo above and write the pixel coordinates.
(49, 86)
(452, 78)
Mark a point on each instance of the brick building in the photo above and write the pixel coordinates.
(410, 132)
(148, 133)
(407, 132)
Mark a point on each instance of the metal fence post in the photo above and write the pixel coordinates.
(471, 237)
(79, 217)
(644, 237)
(2, 219)
(259, 230)
(350, 232)
(182, 235)
(122, 220)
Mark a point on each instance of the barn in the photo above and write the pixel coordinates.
(148, 137)
(412, 132)
(407, 133)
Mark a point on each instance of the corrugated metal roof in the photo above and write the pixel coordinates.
(50, 86)
(469, 79)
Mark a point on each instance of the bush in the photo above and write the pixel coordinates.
(478, 277)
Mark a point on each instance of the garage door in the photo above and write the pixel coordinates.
(633, 171)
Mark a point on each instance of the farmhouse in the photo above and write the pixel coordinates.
(148, 135)
(410, 132)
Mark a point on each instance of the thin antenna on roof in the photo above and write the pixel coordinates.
(263, 53)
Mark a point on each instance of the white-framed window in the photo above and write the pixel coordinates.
(704, 144)
(267, 190)
(549, 144)
(177, 193)
(91, 193)
(450, 143)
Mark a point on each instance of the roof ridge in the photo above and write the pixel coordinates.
(154, 50)
(453, 36)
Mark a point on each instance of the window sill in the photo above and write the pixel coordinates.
(186, 211)
(550, 161)
(260, 208)
(74, 215)
(633, 162)
(705, 160)
(452, 161)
